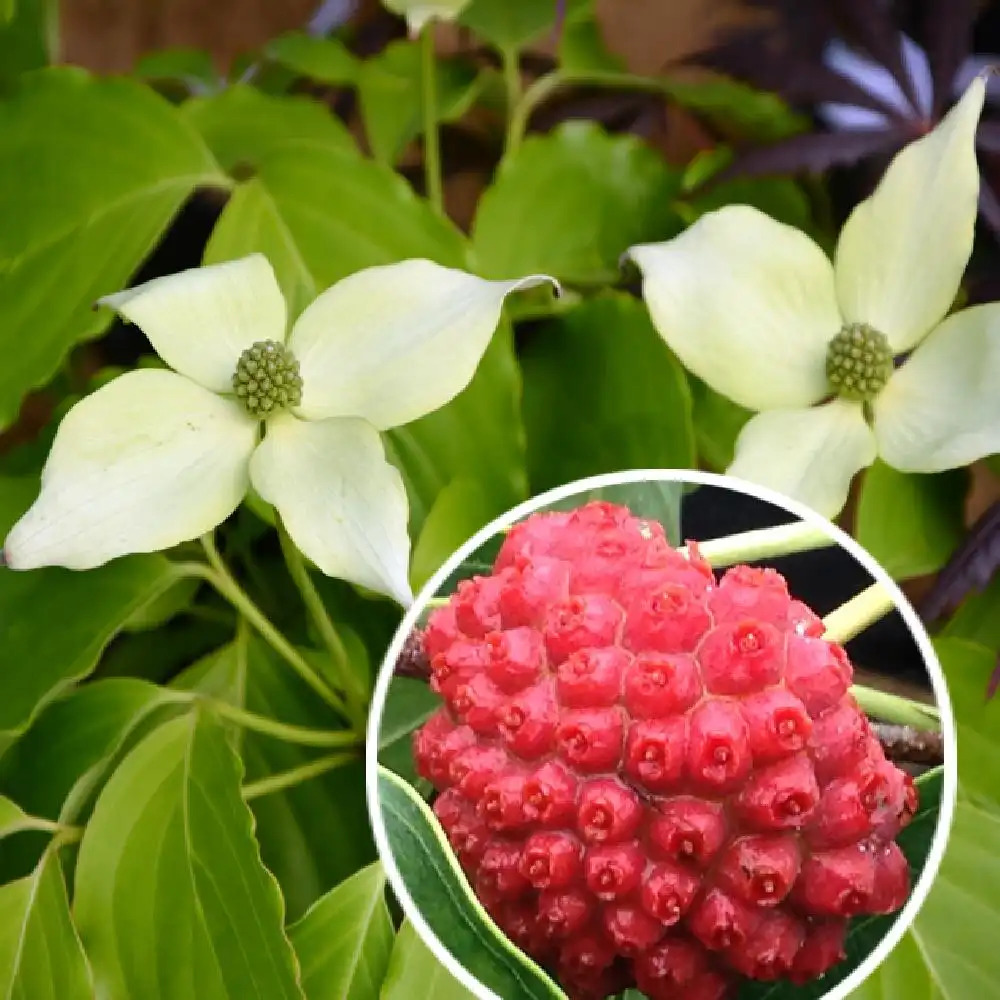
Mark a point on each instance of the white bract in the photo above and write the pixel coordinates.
(159, 457)
(419, 12)
(848, 360)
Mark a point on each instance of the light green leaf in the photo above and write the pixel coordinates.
(172, 900)
(294, 826)
(26, 37)
(90, 608)
(54, 768)
(445, 900)
(459, 511)
(911, 523)
(91, 173)
(8, 8)
(415, 974)
(602, 392)
(582, 48)
(344, 942)
(717, 423)
(40, 954)
(571, 202)
(389, 87)
(326, 60)
(512, 24)
(978, 618)
(13, 819)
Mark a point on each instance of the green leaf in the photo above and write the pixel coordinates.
(911, 523)
(41, 957)
(192, 67)
(571, 202)
(654, 499)
(171, 896)
(602, 392)
(344, 942)
(26, 37)
(13, 819)
(717, 424)
(512, 24)
(91, 173)
(409, 704)
(582, 48)
(54, 768)
(415, 974)
(978, 618)
(459, 511)
(446, 902)
(90, 608)
(294, 827)
(779, 197)
(8, 9)
(389, 88)
(326, 60)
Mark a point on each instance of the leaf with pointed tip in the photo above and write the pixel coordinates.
(344, 942)
(171, 899)
(41, 957)
(416, 974)
(326, 60)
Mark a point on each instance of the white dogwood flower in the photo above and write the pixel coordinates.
(419, 12)
(159, 457)
(850, 360)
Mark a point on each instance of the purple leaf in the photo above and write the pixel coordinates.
(970, 568)
(813, 152)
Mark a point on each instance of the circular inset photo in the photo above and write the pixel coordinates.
(663, 733)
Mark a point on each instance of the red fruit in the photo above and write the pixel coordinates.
(550, 795)
(590, 740)
(659, 684)
(822, 949)
(750, 592)
(837, 883)
(668, 967)
(528, 721)
(563, 913)
(650, 777)
(769, 953)
(670, 619)
(581, 622)
(612, 871)
(718, 755)
(742, 657)
(655, 752)
(532, 588)
(687, 829)
(630, 928)
(778, 723)
(892, 878)
(781, 796)
(668, 890)
(608, 812)
(818, 672)
(592, 678)
(516, 658)
(500, 870)
(552, 860)
(840, 740)
(760, 870)
(721, 921)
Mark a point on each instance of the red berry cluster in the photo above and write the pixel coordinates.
(651, 777)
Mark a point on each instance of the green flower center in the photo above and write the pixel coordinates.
(859, 362)
(267, 379)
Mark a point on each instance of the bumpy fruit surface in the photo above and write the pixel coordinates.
(653, 777)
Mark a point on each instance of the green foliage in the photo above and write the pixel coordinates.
(510, 25)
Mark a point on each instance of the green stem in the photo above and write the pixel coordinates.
(356, 697)
(893, 708)
(285, 731)
(858, 613)
(764, 543)
(531, 99)
(511, 62)
(296, 776)
(218, 575)
(432, 139)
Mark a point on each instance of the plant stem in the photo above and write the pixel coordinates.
(857, 614)
(511, 62)
(432, 139)
(533, 97)
(764, 543)
(218, 575)
(893, 708)
(355, 696)
(285, 731)
(296, 776)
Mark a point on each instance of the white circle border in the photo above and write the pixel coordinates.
(947, 806)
